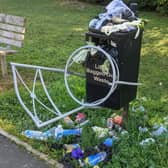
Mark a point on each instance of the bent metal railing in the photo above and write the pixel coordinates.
(38, 73)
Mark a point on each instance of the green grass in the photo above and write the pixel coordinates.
(55, 28)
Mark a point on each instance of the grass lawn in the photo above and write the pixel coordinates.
(55, 28)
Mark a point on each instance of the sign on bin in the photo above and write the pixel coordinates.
(98, 70)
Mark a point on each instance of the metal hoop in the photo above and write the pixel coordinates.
(113, 84)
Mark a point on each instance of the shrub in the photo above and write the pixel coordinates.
(162, 6)
(153, 5)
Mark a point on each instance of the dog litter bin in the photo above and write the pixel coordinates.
(127, 55)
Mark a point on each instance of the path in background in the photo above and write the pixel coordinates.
(13, 156)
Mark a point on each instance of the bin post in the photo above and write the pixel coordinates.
(125, 111)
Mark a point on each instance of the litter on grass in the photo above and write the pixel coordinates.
(143, 129)
(100, 132)
(147, 141)
(56, 132)
(160, 131)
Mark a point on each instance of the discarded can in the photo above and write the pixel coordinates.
(110, 123)
(68, 121)
(70, 147)
(93, 160)
(118, 120)
(80, 118)
(114, 119)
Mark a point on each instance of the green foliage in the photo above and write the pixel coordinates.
(154, 5)
(163, 6)
(54, 30)
(88, 137)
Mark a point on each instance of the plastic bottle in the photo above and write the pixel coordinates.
(58, 132)
(69, 132)
(50, 132)
(109, 142)
(93, 160)
(34, 134)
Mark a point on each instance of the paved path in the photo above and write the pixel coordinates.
(13, 156)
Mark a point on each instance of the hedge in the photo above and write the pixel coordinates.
(153, 5)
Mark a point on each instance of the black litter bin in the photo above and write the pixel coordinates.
(127, 55)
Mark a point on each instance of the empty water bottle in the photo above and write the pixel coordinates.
(58, 132)
(93, 160)
(109, 142)
(34, 134)
(68, 132)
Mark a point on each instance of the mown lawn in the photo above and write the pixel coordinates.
(55, 28)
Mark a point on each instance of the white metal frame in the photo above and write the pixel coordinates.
(59, 115)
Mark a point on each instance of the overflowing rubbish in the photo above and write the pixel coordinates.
(118, 17)
(90, 156)
(102, 152)
(115, 9)
(118, 8)
(93, 156)
(56, 132)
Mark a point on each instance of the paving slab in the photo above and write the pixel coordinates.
(14, 156)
